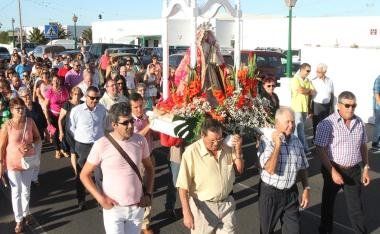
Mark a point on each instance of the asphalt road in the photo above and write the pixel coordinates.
(54, 210)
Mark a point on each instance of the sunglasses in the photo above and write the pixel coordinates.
(119, 83)
(348, 105)
(270, 86)
(127, 122)
(308, 71)
(93, 98)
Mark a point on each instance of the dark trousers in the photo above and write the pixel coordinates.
(83, 150)
(56, 141)
(320, 111)
(352, 192)
(276, 204)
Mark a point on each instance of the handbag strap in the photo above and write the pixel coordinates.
(127, 158)
(23, 133)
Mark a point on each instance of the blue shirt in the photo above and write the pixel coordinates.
(22, 68)
(376, 90)
(87, 126)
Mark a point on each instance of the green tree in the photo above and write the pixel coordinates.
(36, 36)
(4, 37)
(62, 33)
(87, 35)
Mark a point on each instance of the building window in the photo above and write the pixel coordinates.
(155, 43)
(146, 43)
(373, 32)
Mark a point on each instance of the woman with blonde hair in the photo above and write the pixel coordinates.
(18, 140)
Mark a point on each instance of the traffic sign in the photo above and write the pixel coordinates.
(51, 31)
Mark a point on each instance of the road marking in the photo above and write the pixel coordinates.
(304, 211)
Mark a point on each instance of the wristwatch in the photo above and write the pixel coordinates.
(367, 167)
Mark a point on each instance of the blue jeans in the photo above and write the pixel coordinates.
(171, 194)
(300, 119)
(376, 133)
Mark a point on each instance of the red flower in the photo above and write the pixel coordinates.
(219, 96)
(216, 116)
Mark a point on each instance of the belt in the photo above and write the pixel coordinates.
(222, 200)
(344, 167)
(277, 189)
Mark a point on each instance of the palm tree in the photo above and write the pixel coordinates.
(62, 33)
(36, 36)
(87, 35)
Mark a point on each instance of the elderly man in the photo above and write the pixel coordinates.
(324, 97)
(341, 141)
(87, 124)
(111, 96)
(205, 181)
(121, 204)
(74, 76)
(282, 159)
(86, 82)
(301, 90)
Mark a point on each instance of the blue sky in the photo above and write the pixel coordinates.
(40, 12)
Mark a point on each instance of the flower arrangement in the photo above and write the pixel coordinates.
(239, 109)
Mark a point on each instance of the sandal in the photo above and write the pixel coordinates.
(66, 155)
(19, 227)
(58, 155)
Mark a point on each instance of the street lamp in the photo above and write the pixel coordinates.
(75, 19)
(290, 4)
(13, 31)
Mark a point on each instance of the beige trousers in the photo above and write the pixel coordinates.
(214, 217)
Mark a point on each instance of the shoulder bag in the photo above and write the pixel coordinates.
(133, 166)
(29, 161)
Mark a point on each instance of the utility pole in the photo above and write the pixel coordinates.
(19, 14)
(13, 32)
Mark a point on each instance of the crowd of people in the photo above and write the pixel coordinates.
(96, 116)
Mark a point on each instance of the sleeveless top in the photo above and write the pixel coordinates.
(13, 153)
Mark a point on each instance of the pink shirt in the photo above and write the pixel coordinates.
(120, 181)
(56, 99)
(139, 125)
(104, 60)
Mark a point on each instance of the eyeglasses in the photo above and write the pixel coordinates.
(127, 122)
(25, 75)
(217, 141)
(93, 98)
(348, 105)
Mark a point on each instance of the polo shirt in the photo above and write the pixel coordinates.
(300, 101)
(107, 101)
(206, 178)
(73, 78)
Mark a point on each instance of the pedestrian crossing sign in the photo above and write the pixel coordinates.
(51, 31)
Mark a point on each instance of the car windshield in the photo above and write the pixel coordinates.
(3, 50)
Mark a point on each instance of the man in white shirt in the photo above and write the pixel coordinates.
(324, 98)
(111, 96)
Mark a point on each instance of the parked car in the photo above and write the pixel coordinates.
(4, 54)
(29, 46)
(70, 53)
(97, 49)
(145, 54)
(175, 59)
(122, 57)
(51, 50)
(123, 50)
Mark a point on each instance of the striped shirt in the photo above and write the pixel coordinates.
(343, 143)
(292, 158)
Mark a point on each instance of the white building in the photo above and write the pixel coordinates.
(361, 31)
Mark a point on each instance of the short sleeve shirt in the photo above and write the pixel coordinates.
(300, 101)
(120, 181)
(206, 178)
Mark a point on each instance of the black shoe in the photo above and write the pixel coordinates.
(171, 214)
(35, 183)
(81, 205)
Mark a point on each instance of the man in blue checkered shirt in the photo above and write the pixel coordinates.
(341, 142)
(282, 159)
